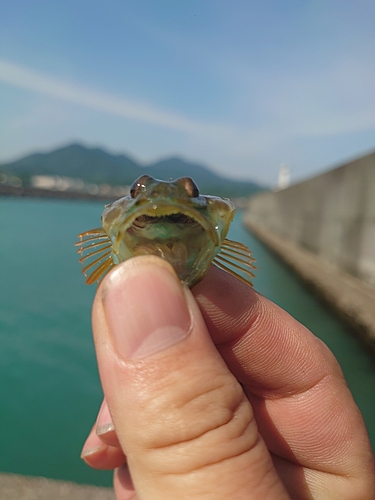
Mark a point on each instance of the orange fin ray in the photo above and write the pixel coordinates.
(99, 273)
(237, 266)
(95, 262)
(237, 248)
(97, 230)
(236, 256)
(95, 244)
(88, 241)
(93, 234)
(236, 244)
(91, 254)
(87, 247)
(242, 258)
(230, 271)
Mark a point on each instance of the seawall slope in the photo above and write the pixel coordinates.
(332, 215)
(352, 299)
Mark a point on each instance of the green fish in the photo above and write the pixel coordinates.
(169, 219)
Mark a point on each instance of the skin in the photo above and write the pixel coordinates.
(248, 404)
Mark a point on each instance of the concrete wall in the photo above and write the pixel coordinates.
(332, 215)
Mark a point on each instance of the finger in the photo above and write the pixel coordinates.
(100, 455)
(123, 484)
(181, 417)
(267, 349)
(303, 407)
(105, 428)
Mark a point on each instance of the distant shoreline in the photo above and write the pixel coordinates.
(31, 192)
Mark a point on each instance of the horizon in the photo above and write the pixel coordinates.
(240, 90)
(183, 158)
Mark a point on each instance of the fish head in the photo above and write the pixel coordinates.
(169, 219)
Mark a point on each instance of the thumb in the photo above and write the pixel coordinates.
(181, 417)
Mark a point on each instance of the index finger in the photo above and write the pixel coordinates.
(302, 405)
(271, 353)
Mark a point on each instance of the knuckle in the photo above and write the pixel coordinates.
(206, 423)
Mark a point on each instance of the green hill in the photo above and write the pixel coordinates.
(97, 166)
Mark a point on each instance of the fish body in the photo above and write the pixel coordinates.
(170, 219)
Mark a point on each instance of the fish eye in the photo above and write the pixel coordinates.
(139, 185)
(190, 187)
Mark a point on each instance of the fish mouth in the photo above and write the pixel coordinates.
(178, 233)
(167, 213)
(176, 218)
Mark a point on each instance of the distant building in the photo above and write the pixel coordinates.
(284, 177)
(58, 183)
(43, 181)
(10, 180)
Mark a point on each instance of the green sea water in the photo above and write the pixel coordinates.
(49, 386)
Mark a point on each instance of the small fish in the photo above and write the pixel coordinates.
(169, 219)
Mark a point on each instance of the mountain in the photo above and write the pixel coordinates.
(97, 166)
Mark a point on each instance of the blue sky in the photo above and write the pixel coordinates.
(239, 85)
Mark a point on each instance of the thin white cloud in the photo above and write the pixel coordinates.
(276, 108)
(299, 105)
(19, 76)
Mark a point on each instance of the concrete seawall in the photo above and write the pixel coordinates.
(332, 215)
(324, 229)
(350, 298)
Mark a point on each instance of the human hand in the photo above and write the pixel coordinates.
(232, 399)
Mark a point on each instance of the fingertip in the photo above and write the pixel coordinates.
(100, 455)
(123, 484)
(104, 457)
(229, 306)
(105, 428)
(132, 266)
(107, 434)
(145, 308)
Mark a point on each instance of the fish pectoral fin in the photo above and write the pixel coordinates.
(235, 256)
(95, 249)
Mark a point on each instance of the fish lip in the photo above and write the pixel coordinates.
(158, 209)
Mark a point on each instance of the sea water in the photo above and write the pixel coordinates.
(49, 385)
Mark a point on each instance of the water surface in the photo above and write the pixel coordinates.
(50, 390)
